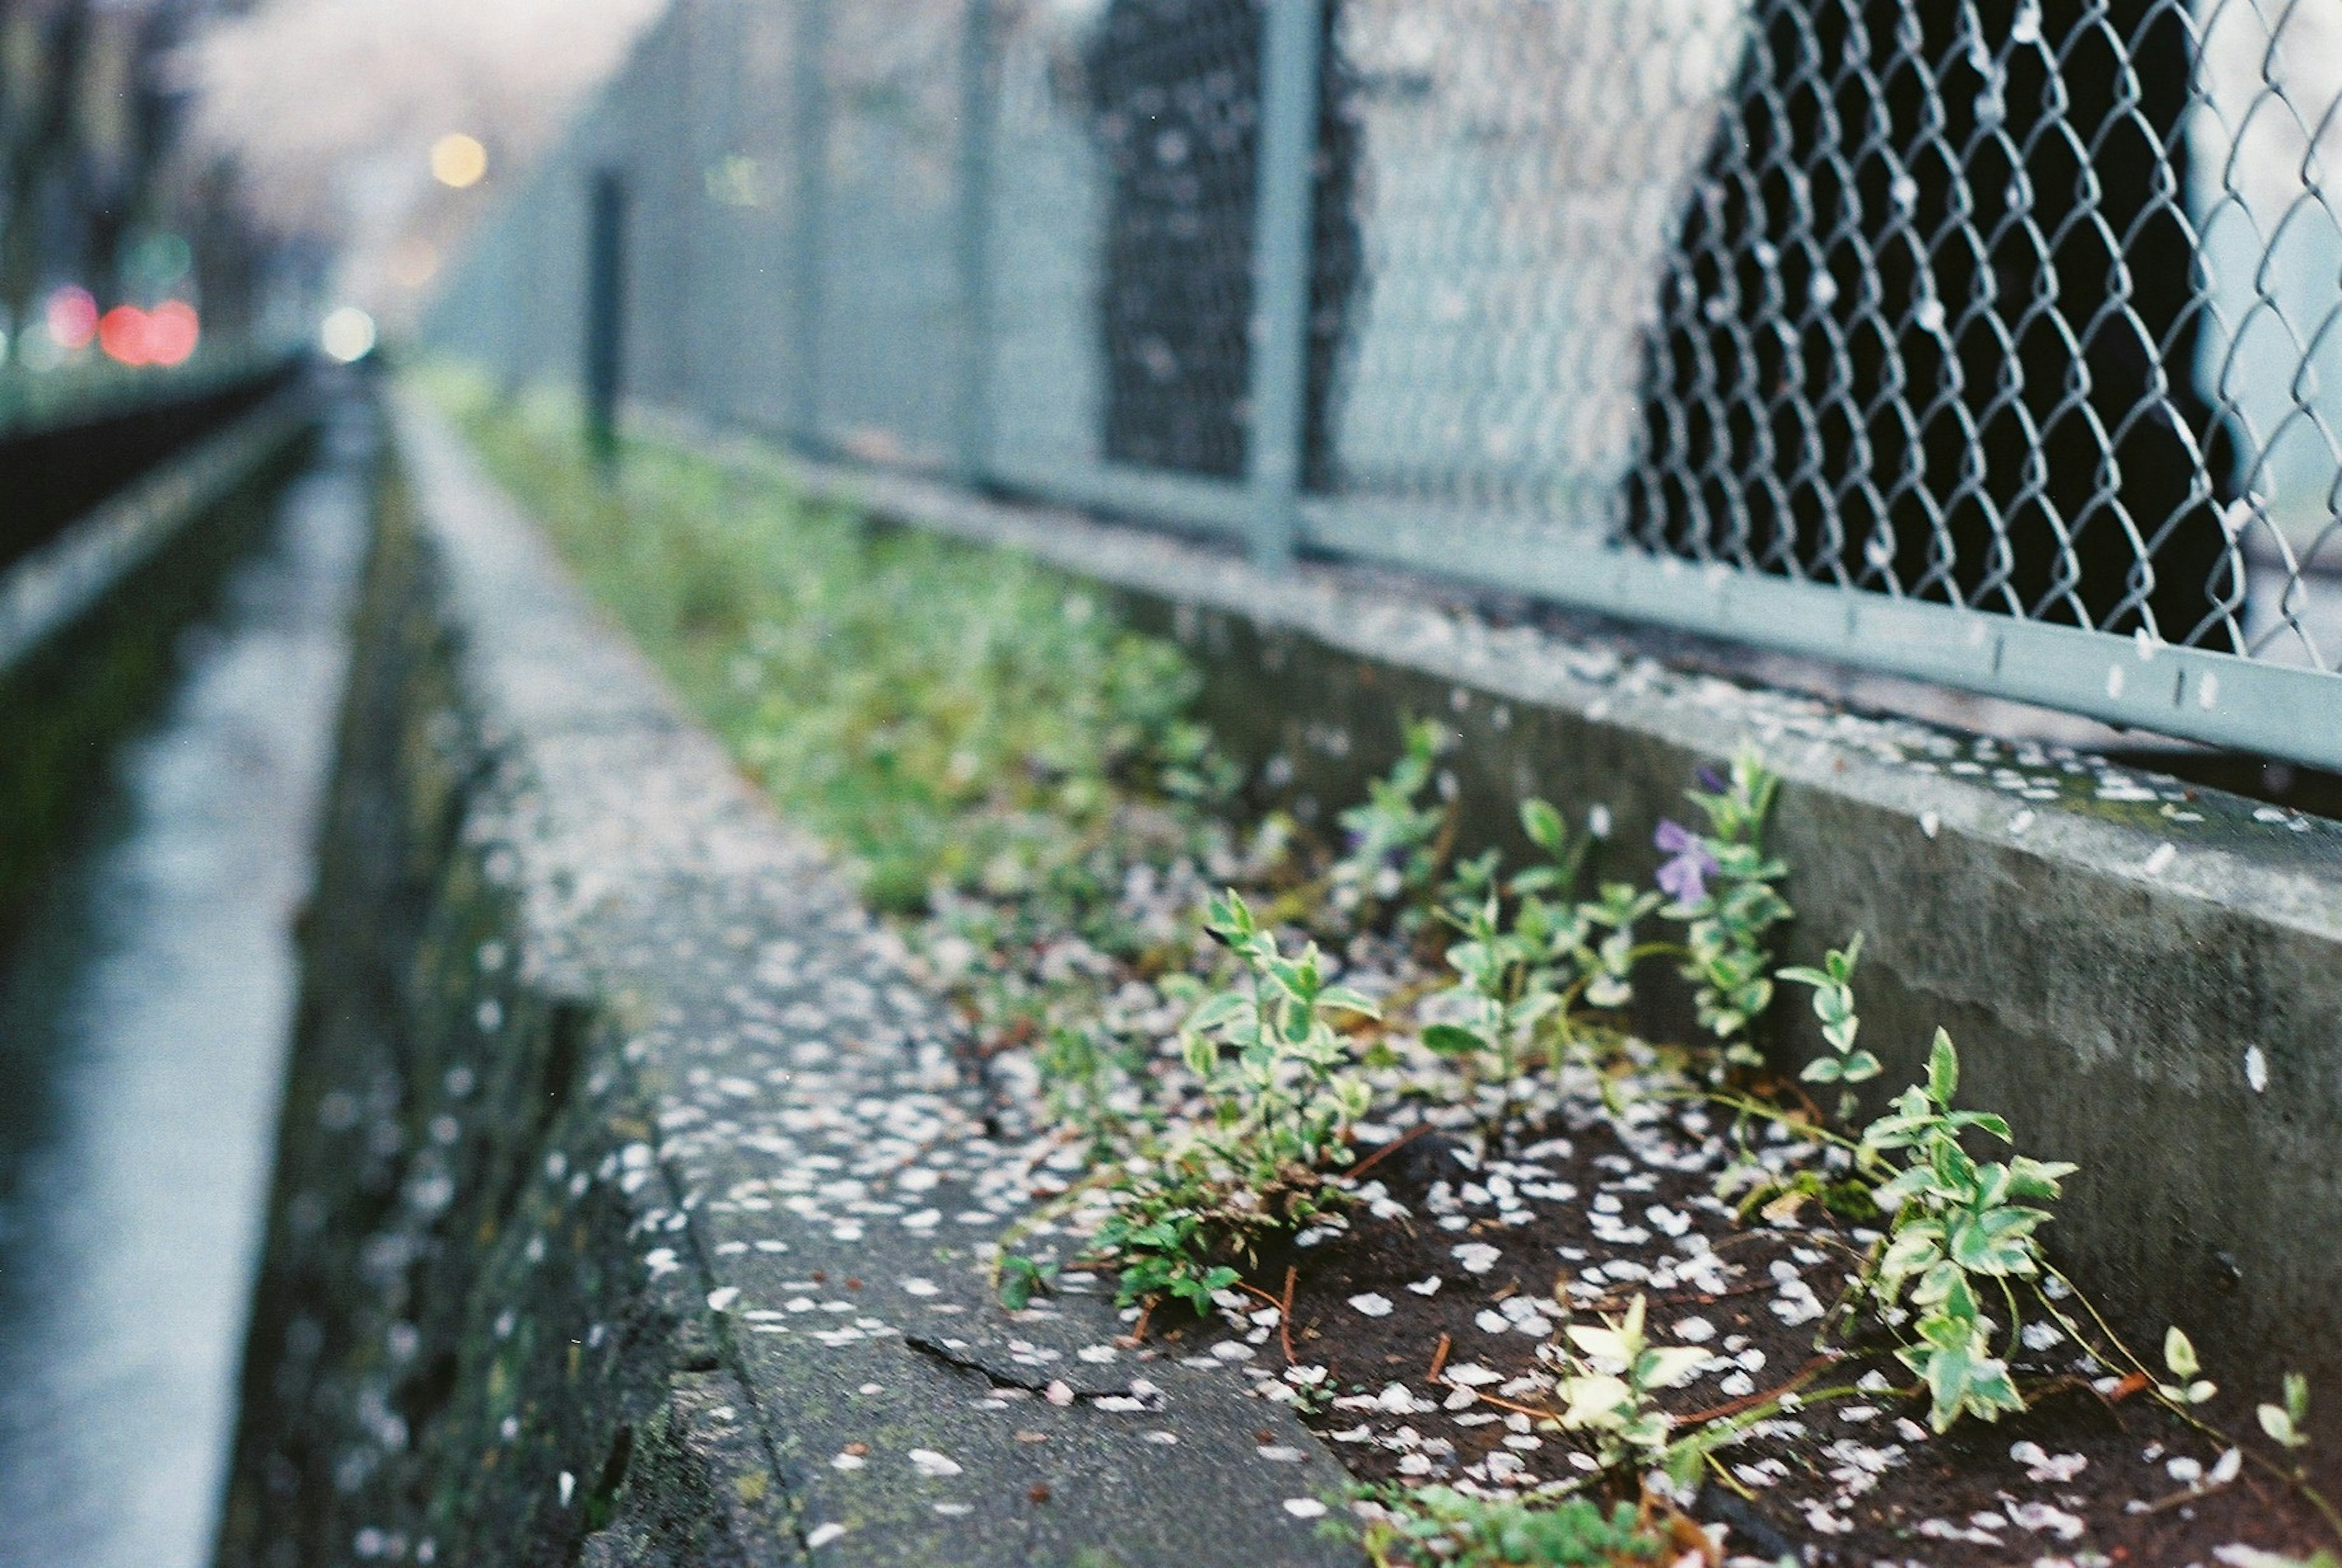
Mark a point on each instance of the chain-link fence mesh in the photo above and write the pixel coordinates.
(1993, 340)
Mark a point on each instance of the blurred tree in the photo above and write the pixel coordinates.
(327, 112)
(95, 188)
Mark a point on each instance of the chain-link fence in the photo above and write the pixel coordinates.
(1993, 342)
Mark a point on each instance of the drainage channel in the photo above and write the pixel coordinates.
(143, 1015)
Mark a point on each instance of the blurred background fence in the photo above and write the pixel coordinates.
(1997, 343)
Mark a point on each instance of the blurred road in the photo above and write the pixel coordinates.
(143, 1024)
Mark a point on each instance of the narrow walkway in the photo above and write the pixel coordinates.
(142, 1033)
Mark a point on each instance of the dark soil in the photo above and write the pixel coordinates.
(1854, 1477)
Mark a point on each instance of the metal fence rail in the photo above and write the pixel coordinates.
(1993, 342)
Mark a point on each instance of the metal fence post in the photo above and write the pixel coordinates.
(810, 90)
(606, 303)
(972, 402)
(1281, 260)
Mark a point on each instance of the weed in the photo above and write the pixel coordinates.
(1956, 1224)
(1833, 985)
(1720, 885)
(1423, 1527)
(985, 743)
(945, 714)
(1613, 1372)
(2288, 1425)
(1280, 1093)
(1396, 838)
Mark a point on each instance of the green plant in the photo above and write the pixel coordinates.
(1833, 985)
(1420, 1527)
(2288, 1425)
(1505, 993)
(1090, 1080)
(1267, 1055)
(1564, 852)
(2179, 1360)
(1720, 885)
(1519, 978)
(1612, 1374)
(1396, 835)
(1021, 1278)
(1605, 968)
(1956, 1224)
(946, 715)
(1280, 1093)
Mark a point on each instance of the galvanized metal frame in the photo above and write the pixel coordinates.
(809, 88)
(2279, 710)
(1278, 365)
(2289, 710)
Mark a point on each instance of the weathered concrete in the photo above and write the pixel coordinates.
(87, 619)
(2146, 977)
(573, 1001)
(144, 1004)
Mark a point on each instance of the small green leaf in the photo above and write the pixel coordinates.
(2037, 1178)
(1943, 1070)
(1200, 1054)
(2180, 1353)
(1996, 1242)
(1219, 1010)
(1984, 1122)
(1020, 1276)
(1543, 825)
(1451, 1040)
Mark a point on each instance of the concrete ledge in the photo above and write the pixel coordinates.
(87, 621)
(572, 1001)
(57, 585)
(2146, 977)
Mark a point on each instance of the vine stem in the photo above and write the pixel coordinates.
(2292, 1478)
(1363, 1167)
(1755, 1401)
(1748, 1105)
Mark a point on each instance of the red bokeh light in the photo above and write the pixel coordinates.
(173, 330)
(72, 316)
(164, 335)
(122, 333)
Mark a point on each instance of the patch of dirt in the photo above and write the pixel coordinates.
(1596, 1211)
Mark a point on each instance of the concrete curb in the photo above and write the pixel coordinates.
(57, 585)
(668, 1253)
(87, 624)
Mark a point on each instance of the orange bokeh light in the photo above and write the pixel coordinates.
(122, 333)
(164, 335)
(173, 330)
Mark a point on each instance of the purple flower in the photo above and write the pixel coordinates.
(1682, 877)
(1711, 781)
